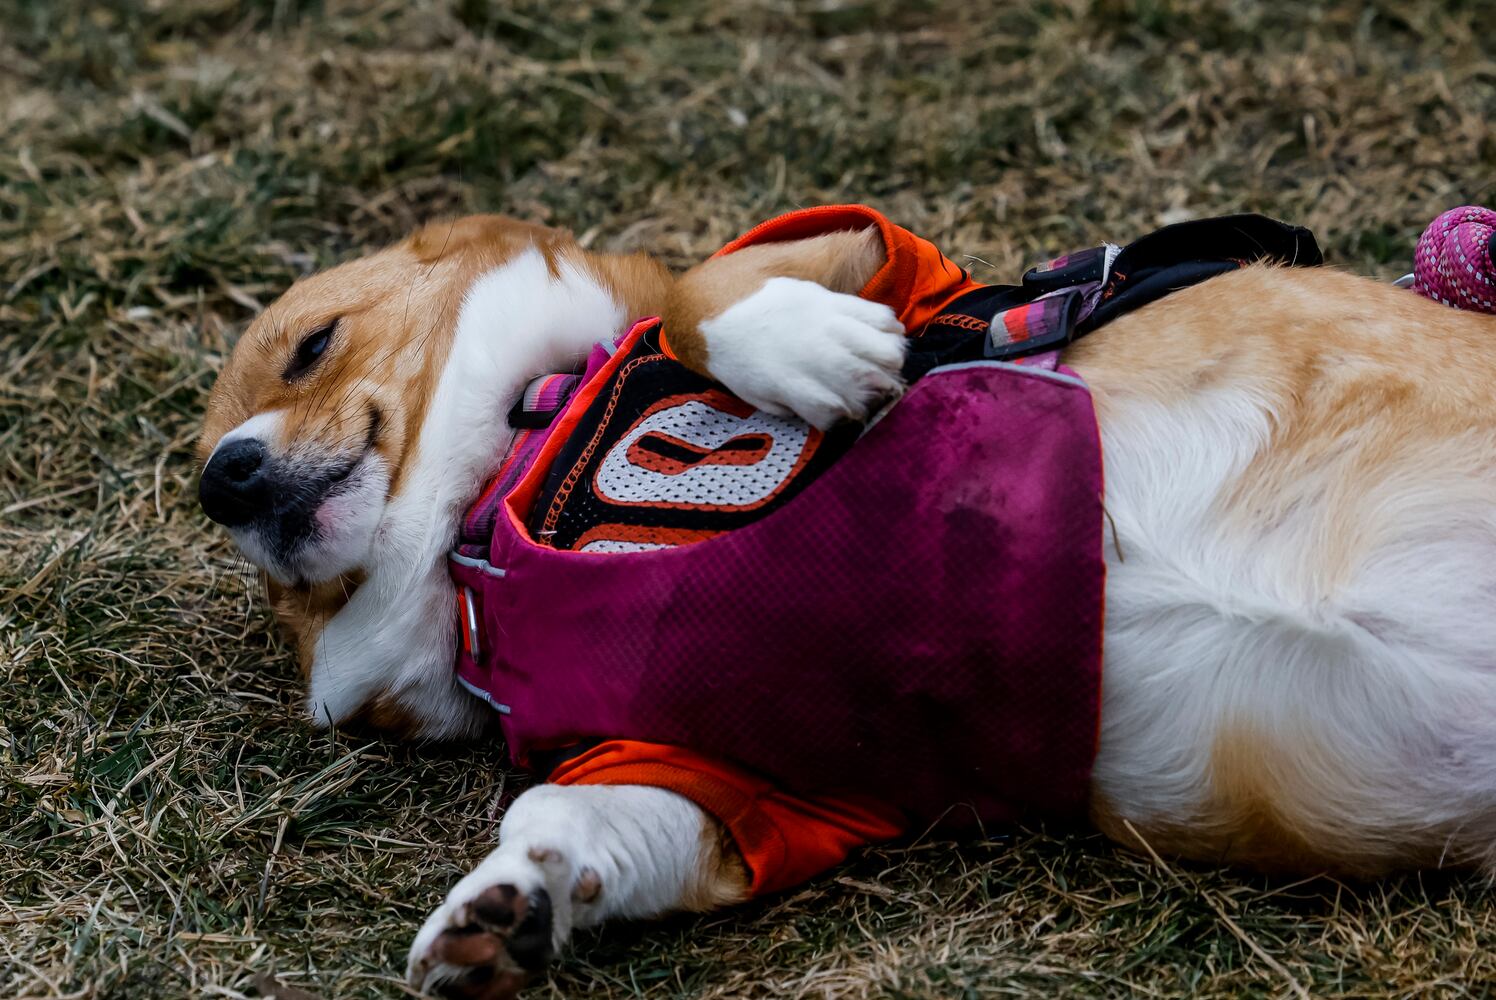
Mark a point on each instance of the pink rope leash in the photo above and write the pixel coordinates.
(1453, 262)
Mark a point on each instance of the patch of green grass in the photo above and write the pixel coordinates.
(167, 825)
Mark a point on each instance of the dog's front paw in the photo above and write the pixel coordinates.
(796, 347)
(499, 926)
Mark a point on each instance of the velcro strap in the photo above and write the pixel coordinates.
(1041, 325)
(1079, 268)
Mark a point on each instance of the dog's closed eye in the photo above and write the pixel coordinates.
(311, 349)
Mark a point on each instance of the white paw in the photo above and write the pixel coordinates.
(796, 347)
(501, 924)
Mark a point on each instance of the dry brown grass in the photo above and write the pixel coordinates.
(168, 828)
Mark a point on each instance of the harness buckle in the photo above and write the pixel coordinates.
(467, 618)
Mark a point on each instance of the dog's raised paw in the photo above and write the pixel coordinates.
(796, 347)
(485, 947)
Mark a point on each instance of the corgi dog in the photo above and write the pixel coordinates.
(1300, 549)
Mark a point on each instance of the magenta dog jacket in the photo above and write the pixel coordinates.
(919, 619)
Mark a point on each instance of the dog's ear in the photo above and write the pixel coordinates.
(436, 240)
(305, 611)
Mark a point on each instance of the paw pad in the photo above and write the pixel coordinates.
(589, 886)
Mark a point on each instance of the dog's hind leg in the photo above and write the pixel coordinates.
(568, 857)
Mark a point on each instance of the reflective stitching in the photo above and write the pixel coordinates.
(1020, 369)
(479, 564)
(475, 689)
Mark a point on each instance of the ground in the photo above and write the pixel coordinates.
(168, 826)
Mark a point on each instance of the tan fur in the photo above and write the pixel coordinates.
(396, 311)
(305, 611)
(1252, 817)
(638, 281)
(721, 877)
(1365, 381)
(842, 262)
(1368, 384)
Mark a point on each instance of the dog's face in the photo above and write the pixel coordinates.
(317, 413)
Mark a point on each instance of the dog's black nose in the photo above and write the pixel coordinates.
(235, 486)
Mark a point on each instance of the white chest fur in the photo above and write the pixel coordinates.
(395, 638)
